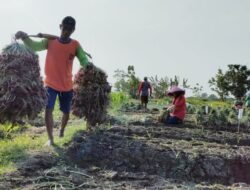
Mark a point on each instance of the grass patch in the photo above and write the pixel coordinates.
(159, 103)
(15, 150)
(69, 133)
(117, 99)
(8, 130)
(24, 140)
(204, 102)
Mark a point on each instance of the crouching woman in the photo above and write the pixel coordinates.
(177, 108)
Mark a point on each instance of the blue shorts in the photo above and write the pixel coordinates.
(64, 99)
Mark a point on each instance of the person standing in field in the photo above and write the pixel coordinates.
(144, 90)
(177, 108)
(238, 104)
(61, 52)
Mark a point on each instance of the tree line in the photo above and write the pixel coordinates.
(234, 81)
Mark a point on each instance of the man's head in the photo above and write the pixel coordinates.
(145, 79)
(67, 26)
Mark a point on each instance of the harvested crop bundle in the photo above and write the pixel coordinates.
(163, 115)
(91, 96)
(22, 94)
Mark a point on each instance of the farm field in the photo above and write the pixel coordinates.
(125, 95)
(132, 150)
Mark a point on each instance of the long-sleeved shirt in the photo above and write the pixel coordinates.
(59, 61)
(179, 107)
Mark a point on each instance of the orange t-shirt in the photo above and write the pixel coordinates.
(58, 64)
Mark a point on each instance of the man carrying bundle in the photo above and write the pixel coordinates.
(61, 52)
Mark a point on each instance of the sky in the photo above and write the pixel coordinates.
(188, 38)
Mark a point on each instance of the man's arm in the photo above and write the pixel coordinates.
(36, 46)
(42, 35)
(139, 89)
(150, 89)
(82, 57)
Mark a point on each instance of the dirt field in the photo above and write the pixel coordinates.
(140, 153)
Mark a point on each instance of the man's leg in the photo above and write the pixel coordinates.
(146, 101)
(49, 113)
(49, 125)
(65, 99)
(141, 101)
(64, 122)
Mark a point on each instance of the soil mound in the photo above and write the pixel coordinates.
(135, 149)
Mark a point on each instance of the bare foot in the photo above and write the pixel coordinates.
(49, 143)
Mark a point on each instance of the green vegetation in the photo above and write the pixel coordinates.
(219, 85)
(127, 82)
(18, 149)
(235, 81)
(117, 98)
(160, 86)
(204, 102)
(17, 142)
(21, 145)
(8, 130)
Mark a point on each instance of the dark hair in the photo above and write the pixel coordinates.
(145, 79)
(69, 21)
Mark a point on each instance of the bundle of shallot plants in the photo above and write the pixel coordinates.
(22, 94)
(91, 95)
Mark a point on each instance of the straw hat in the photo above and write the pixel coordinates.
(174, 89)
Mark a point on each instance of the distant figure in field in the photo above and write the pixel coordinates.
(238, 104)
(143, 91)
(177, 108)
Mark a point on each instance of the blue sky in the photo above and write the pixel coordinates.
(188, 38)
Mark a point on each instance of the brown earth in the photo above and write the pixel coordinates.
(142, 154)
